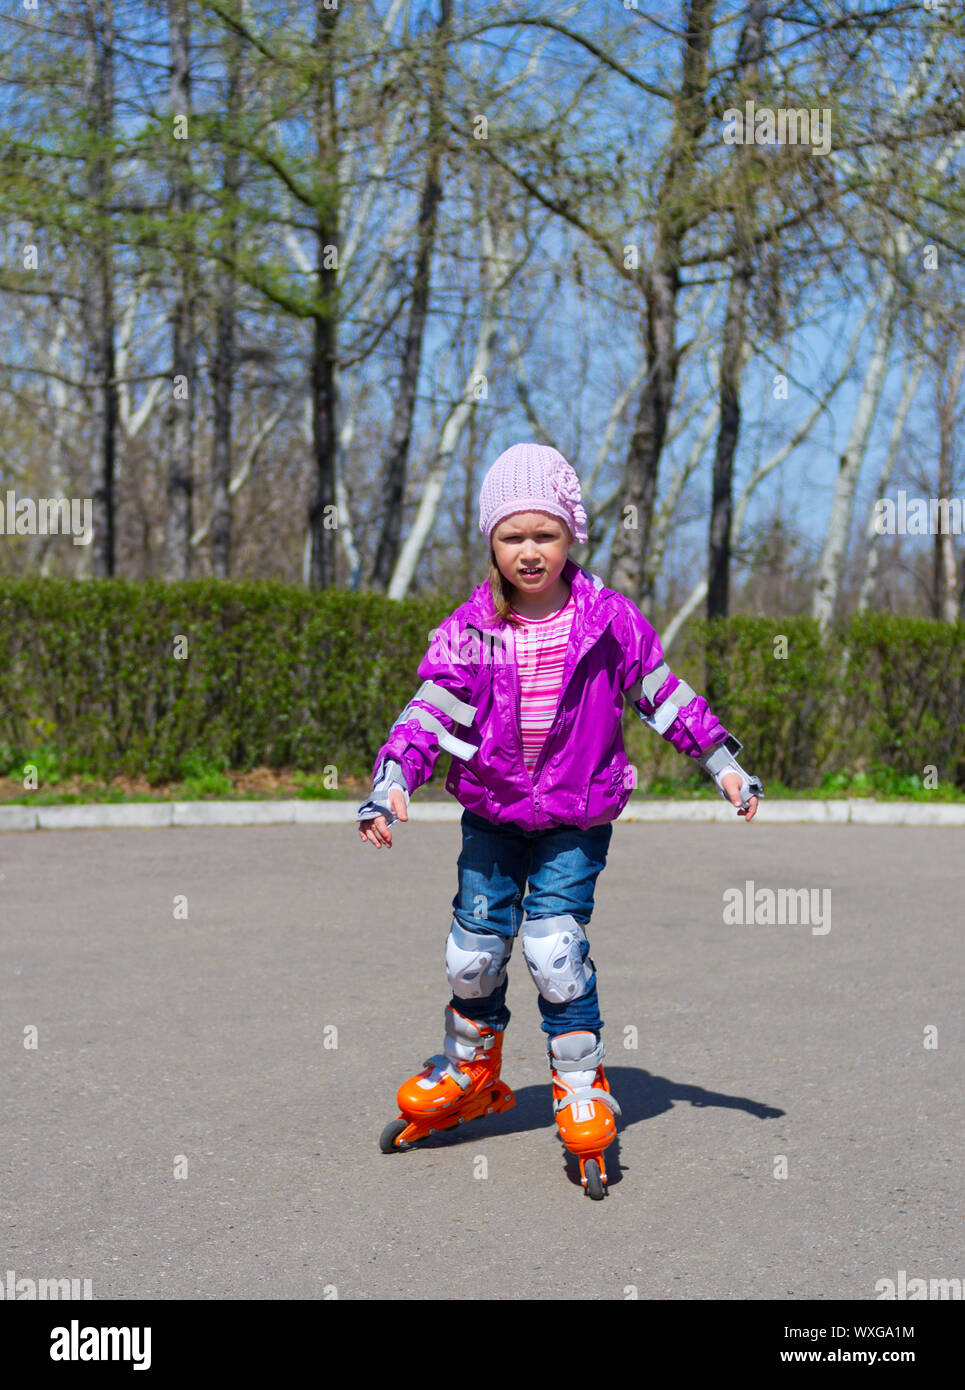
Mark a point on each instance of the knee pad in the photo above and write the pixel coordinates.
(476, 961)
(553, 948)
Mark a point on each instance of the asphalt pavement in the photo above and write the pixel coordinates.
(203, 1030)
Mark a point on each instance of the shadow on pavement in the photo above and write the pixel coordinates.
(641, 1096)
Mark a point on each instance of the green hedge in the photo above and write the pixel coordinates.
(279, 676)
(272, 675)
(881, 695)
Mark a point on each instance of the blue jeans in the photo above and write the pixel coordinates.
(561, 866)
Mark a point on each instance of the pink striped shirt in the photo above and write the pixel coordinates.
(541, 645)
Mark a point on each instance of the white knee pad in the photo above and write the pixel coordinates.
(476, 961)
(552, 947)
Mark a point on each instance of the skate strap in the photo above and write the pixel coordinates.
(484, 1042)
(445, 1066)
(592, 1094)
(590, 1062)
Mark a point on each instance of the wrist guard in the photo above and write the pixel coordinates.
(389, 775)
(721, 760)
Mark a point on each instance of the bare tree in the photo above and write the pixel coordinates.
(400, 433)
(946, 598)
(180, 481)
(324, 315)
(878, 174)
(497, 271)
(672, 219)
(697, 593)
(225, 357)
(750, 54)
(99, 295)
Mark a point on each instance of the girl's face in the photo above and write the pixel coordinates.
(531, 549)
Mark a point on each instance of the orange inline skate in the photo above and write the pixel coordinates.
(583, 1105)
(457, 1086)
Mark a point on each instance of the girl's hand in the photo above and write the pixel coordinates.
(731, 784)
(375, 830)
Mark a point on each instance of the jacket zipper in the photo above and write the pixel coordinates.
(518, 698)
(536, 776)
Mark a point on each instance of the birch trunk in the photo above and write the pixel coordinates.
(831, 567)
(132, 421)
(946, 579)
(909, 388)
(897, 245)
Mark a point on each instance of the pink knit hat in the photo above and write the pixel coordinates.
(531, 478)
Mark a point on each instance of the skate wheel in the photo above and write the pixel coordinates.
(389, 1135)
(595, 1187)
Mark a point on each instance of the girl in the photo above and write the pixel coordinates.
(534, 668)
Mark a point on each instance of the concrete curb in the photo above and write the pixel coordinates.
(153, 815)
(93, 816)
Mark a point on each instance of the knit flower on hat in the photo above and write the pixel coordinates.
(566, 485)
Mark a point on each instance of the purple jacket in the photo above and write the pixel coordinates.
(469, 704)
